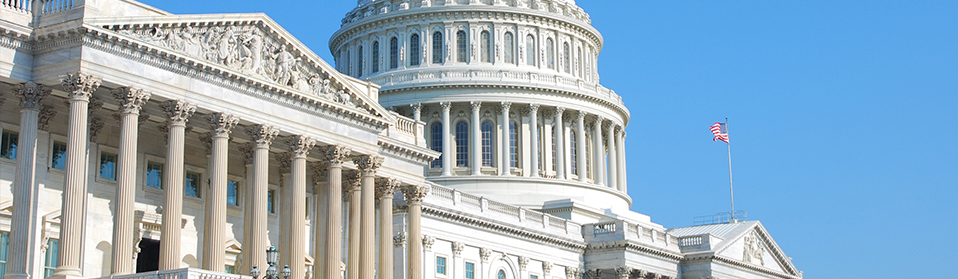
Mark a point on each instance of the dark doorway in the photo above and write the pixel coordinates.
(149, 257)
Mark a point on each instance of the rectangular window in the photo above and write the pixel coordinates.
(533, 277)
(191, 185)
(108, 166)
(59, 158)
(8, 144)
(154, 175)
(269, 201)
(53, 251)
(441, 265)
(232, 187)
(229, 269)
(4, 243)
(470, 271)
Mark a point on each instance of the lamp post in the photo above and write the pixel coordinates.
(272, 256)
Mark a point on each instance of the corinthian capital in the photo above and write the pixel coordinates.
(445, 105)
(415, 193)
(599, 120)
(386, 187)
(336, 155)
(131, 99)
(178, 111)
(416, 106)
(46, 114)
(222, 124)
(559, 111)
(475, 105)
(262, 135)
(368, 164)
(533, 107)
(30, 94)
(80, 86)
(505, 105)
(320, 170)
(581, 115)
(299, 146)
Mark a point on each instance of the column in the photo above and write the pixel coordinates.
(299, 146)
(368, 165)
(620, 148)
(416, 111)
(414, 196)
(131, 100)
(262, 136)
(23, 241)
(80, 89)
(178, 113)
(247, 254)
(610, 142)
(598, 156)
(385, 189)
(476, 139)
(352, 186)
(560, 144)
(583, 172)
(505, 165)
(214, 244)
(320, 171)
(447, 152)
(534, 134)
(333, 231)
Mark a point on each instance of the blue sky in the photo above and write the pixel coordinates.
(841, 118)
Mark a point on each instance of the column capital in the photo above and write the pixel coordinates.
(80, 86)
(368, 164)
(608, 125)
(207, 140)
(96, 125)
(300, 145)
(623, 272)
(523, 262)
(581, 115)
(559, 111)
(400, 239)
(336, 155)
(415, 193)
(546, 267)
(416, 106)
(571, 272)
(598, 120)
(457, 248)
(222, 124)
(427, 242)
(320, 170)
(445, 105)
(534, 107)
(46, 114)
(484, 254)
(263, 135)
(247, 149)
(351, 184)
(475, 105)
(30, 94)
(386, 187)
(178, 111)
(505, 105)
(131, 99)
(283, 161)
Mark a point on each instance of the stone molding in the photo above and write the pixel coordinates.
(520, 232)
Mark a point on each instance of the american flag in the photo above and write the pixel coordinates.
(720, 132)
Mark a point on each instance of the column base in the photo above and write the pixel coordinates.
(55, 276)
(17, 276)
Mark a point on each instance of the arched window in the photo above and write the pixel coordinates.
(530, 50)
(485, 44)
(461, 46)
(578, 57)
(375, 57)
(513, 144)
(437, 54)
(572, 147)
(437, 142)
(510, 47)
(394, 53)
(360, 60)
(349, 65)
(550, 54)
(501, 274)
(414, 50)
(541, 146)
(566, 58)
(553, 135)
(462, 144)
(588, 155)
(487, 143)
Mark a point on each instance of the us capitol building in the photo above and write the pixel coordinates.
(453, 139)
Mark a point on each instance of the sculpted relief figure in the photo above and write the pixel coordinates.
(251, 51)
(285, 62)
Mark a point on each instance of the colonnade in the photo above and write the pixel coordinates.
(608, 167)
(130, 101)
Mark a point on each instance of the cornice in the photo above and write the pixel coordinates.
(15, 38)
(402, 150)
(431, 210)
(740, 264)
(627, 245)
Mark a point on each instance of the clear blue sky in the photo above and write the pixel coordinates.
(842, 116)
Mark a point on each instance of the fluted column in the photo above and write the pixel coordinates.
(262, 136)
(505, 166)
(385, 189)
(131, 100)
(598, 155)
(447, 152)
(25, 189)
(299, 147)
(583, 172)
(416, 111)
(368, 165)
(247, 150)
(560, 143)
(620, 149)
(320, 172)
(352, 187)
(476, 138)
(333, 231)
(214, 244)
(610, 142)
(414, 196)
(178, 113)
(534, 134)
(80, 89)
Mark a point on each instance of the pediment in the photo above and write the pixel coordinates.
(249, 45)
(755, 247)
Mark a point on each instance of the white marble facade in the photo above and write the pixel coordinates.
(135, 141)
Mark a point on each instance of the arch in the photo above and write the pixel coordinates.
(501, 274)
(461, 42)
(436, 142)
(566, 58)
(508, 40)
(573, 150)
(485, 45)
(106, 254)
(530, 50)
(550, 54)
(393, 53)
(505, 264)
(375, 68)
(462, 143)
(190, 261)
(513, 144)
(437, 54)
(487, 130)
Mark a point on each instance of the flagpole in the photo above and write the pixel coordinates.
(730, 189)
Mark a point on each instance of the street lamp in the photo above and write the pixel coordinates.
(272, 257)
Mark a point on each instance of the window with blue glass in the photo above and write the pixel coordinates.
(4, 245)
(485, 45)
(232, 193)
(470, 271)
(361, 64)
(8, 144)
(394, 53)
(191, 185)
(572, 142)
(487, 143)
(437, 55)
(553, 133)
(108, 166)
(531, 50)
(270, 195)
(375, 57)
(154, 175)
(59, 158)
(436, 131)
(414, 50)
(501, 274)
(441, 265)
(510, 47)
(462, 144)
(461, 46)
(513, 144)
(550, 54)
(53, 252)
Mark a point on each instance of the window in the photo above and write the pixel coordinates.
(513, 144)
(588, 155)
(485, 46)
(232, 196)
(437, 47)
(59, 158)
(394, 53)
(486, 143)
(572, 142)
(108, 166)
(270, 195)
(578, 57)
(4, 245)
(437, 143)
(375, 57)
(361, 63)
(553, 133)
(53, 251)
(191, 187)
(414, 50)
(154, 175)
(566, 65)
(8, 144)
(501, 274)
(229, 269)
(462, 144)
(541, 145)
(531, 50)
(509, 42)
(441, 265)
(349, 65)
(470, 271)
(533, 277)
(461, 46)
(550, 54)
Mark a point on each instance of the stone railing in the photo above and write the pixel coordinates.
(557, 7)
(53, 6)
(622, 230)
(23, 6)
(407, 130)
(182, 273)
